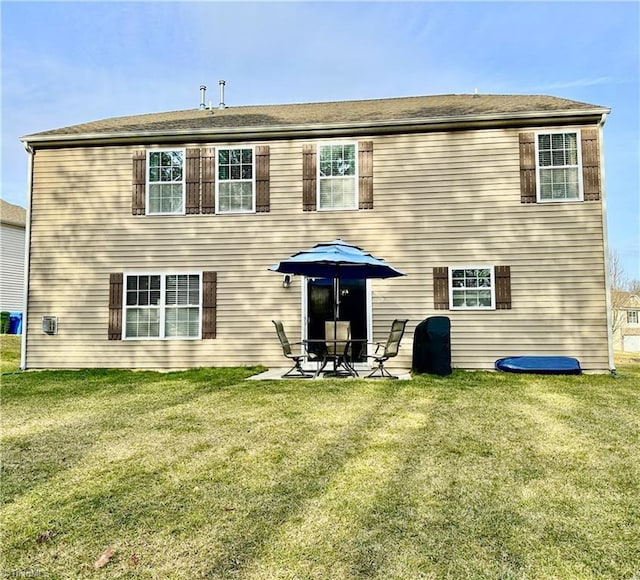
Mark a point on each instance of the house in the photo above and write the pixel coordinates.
(12, 248)
(152, 235)
(627, 322)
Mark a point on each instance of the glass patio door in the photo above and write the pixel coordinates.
(353, 306)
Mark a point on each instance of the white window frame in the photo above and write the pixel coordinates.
(162, 306)
(355, 176)
(148, 182)
(492, 274)
(219, 181)
(551, 167)
(633, 314)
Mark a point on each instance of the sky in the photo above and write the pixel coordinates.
(65, 63)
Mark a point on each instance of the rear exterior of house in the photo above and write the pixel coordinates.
(151, 236)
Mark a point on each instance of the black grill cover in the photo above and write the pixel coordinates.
(432, 346)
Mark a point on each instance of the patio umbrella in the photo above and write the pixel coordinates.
(339, 261)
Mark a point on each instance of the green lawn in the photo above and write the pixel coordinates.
(9, 352)
(201, 474)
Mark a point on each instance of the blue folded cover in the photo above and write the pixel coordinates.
(551, 365)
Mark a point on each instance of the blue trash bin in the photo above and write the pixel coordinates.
(15, 323)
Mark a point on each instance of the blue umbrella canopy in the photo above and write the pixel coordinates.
(336, 259)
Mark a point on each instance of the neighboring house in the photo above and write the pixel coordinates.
(13, 219)
(627, 333)
(151, 235)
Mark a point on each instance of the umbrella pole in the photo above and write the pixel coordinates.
(336, 315)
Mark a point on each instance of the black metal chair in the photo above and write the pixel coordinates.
(296, 370)
(391, 348)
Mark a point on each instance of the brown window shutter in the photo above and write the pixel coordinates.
(309, 178)
(192, 180)
(139, 179)
(208, 161)
(365, 174)
(262, 178)
(527, 168)
(115, 306)
(503, 287)
(441, 288)
(590, 164)
(209, 304)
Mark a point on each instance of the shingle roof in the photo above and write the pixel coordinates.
(12, 214)
(405, 109)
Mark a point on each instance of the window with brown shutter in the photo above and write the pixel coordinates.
(192, 181)
(590, 164)
(208, 162)
(527, 168)
(365, 175)
(309, 177)
(115, 306)
(338, 187)
(209, 304)
(552, 175)
(441, 288)
(166, 306)
(262, 178)
(471, 288)
(139, 180)
(503, 287)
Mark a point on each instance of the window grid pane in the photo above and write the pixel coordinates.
(148, 303)
(471, 288)
(235, 177)
(143, 323)
(337, 193)
(337, 179)
(165, 179)
(182, 322)
(558, 166)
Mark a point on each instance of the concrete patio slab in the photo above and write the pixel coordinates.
(275, 374)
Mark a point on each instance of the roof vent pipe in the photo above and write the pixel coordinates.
(221, 105)
(203, 91)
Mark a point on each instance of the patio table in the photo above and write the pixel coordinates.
(340, 360)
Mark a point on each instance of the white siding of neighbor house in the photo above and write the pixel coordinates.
(12, 252)
(441, 199)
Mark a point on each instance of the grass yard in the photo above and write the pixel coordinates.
(9, 352)
(200, 474)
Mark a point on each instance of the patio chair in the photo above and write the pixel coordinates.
(338, 337)
(391, 348)
(296, 370)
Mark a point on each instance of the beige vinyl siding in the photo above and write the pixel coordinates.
(440, 199)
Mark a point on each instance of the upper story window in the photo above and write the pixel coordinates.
(632, 316)
(559, 170)
(472, 288)
(236, 181)
(165, 183)
(162, 305)
(337, 176)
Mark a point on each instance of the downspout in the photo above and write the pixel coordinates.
(27, 257)
(605, 235)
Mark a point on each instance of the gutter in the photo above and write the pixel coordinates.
(12, 223)
(459, 122)
(27, 256)
(605, 236)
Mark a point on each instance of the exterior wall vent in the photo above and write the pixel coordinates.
(50, 324)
